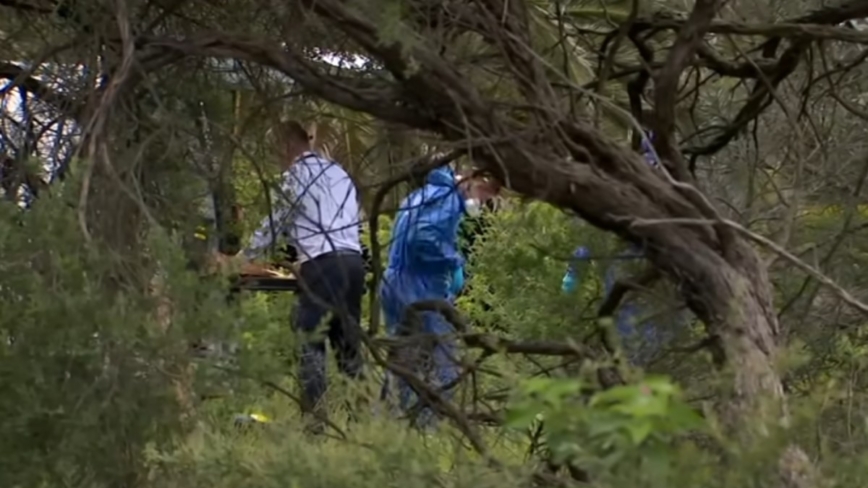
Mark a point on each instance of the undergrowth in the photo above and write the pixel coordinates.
(89, 385)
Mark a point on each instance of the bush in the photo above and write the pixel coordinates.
(89, 376)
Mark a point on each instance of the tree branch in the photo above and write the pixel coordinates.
(379, 98)
(23, 6)
(768, 243)
(20, 77)
(666, 83)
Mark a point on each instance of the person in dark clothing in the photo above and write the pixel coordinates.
(472, 228)
(319, 212)
(288, 256)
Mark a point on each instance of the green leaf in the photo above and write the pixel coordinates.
(604, 425)
(656, 463)
(617, 394)
(520, 418)
(639, 431)
(559, 389)
(613, 458)
(644, 406)
(686, 417)
(661, 385)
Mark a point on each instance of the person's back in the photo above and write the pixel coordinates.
(423, 251)
(328, 212)
(425, 264)
(318, 211)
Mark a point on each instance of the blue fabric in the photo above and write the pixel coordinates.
(425, 233)
(648, 149)
(423, 263)
(641, 340)
(457, 282)
(570, 281)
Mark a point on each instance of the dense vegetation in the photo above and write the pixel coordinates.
(123, 119)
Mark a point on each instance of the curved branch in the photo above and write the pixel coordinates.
(23, 6)
(666, 83)
(379, 98)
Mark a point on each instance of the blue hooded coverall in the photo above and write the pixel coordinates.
(425, 264)
(643, 338)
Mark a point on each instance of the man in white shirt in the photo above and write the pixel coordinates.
(318, 210)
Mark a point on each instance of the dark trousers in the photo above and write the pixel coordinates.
(332, 286)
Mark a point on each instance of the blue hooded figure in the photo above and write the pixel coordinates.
(643, 338)
(425, 264)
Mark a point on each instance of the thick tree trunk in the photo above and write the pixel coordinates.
(741, 313)
(723, 279)
(735, 303)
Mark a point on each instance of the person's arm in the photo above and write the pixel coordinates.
(284, 208)
(265, 235)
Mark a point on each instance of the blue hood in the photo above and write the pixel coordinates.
(425, 233)
(442, 176)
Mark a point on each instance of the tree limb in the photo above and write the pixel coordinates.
(666, 83)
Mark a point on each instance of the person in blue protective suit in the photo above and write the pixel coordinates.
(643, 338)
(425, 264)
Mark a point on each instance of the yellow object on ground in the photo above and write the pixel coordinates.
(201, 233)
(251, 418)
(260, 418)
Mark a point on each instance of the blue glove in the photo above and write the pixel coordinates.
(457, 281)
(568, 284)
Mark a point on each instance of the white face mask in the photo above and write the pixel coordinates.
(473, 207)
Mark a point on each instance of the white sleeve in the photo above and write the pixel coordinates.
(284, 209)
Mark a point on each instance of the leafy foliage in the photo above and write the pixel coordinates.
(97, 386)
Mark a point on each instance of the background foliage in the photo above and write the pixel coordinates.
(99, 300)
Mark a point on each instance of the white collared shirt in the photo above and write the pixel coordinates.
(317, 209)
